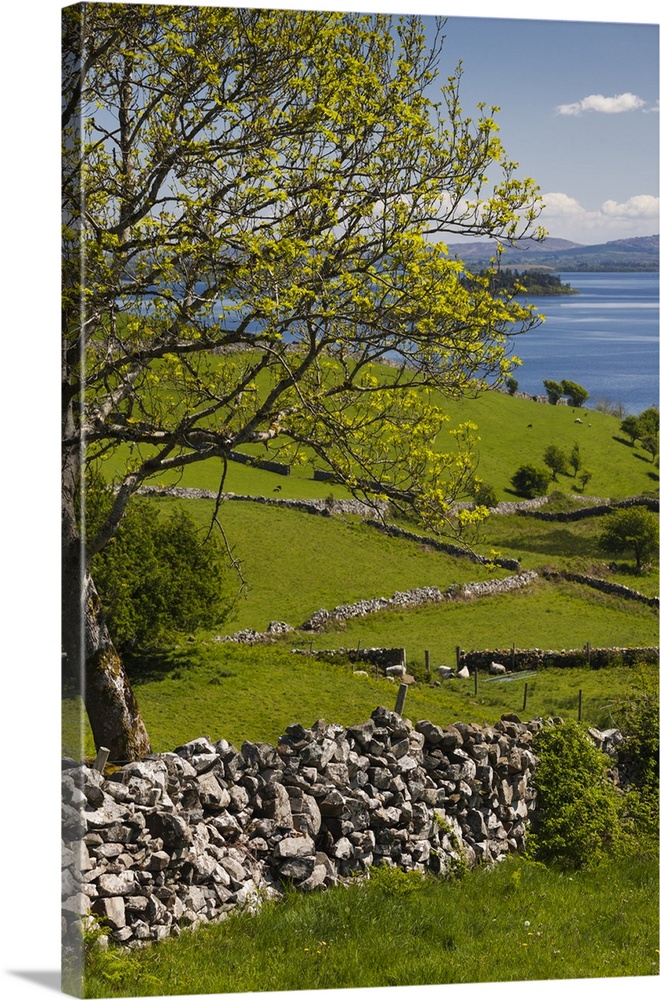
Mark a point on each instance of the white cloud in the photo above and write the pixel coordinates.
(564, 217)
(606, 105)
(641, 206)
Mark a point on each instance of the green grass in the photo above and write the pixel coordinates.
(544, 615)
(506, 441)
(238, 693)
(515, 922)
(295, 563)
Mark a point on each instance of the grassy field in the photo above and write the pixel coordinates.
(295, 563)
(511, 432)
(516, 922)
(238, 693)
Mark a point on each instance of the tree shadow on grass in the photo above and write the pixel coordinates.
(628, 443)
(155, 664)
(560, 542)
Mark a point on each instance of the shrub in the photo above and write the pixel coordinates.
(579, 810)
(484, 493)
(637, 718)
(531, 481)
(512, 385)
(156, 576)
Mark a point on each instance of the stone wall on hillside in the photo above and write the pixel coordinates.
(594, 510)
(514, 659)
(183, 838)
(606, 586)
(309, 506)
(416, 598)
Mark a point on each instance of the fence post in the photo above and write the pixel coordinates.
(401, 699)
(525, 698)
(513, 657)
(101, 759)
(476, 678)
(587, 650)
(427, 663)
(580, 705)
(458, 657)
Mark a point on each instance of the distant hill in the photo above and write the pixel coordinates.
(636, 254)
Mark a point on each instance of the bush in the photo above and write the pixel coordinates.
(579, 819)
(637, 718)
(157, 576)
(531, 481)
(484, 493)
(512, 385)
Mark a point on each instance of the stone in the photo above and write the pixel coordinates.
(299, 868)
(276, 805)
(117, 885)
(112, 910)
(293, 847)
(211, 795)
(172, 830)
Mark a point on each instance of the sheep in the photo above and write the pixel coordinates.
(464, 673)
(496, 668)
(360, 673)
(577, 421)
(445, 673)
(396, 670)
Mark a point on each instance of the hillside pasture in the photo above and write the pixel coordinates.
(238, 693)
(511, 431)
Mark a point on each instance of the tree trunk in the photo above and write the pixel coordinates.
(111, 705)
(91, 660)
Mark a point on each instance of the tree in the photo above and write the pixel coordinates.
(553, 389)
(647, 427)
(159, 576)
(575, 458)
(634, 529)
(512, 385)
(530, 481)
(259, 198)
(556, 460)
(630, 427)
(577, 394)
(583, 477)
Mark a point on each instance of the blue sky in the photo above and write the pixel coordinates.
(579, 112)
(578, 98)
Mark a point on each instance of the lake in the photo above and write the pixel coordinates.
(606, 339)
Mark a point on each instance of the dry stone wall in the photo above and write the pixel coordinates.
(416, 598)
(183, 838)
(514, 659)
(605, 586)
(311, 506)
